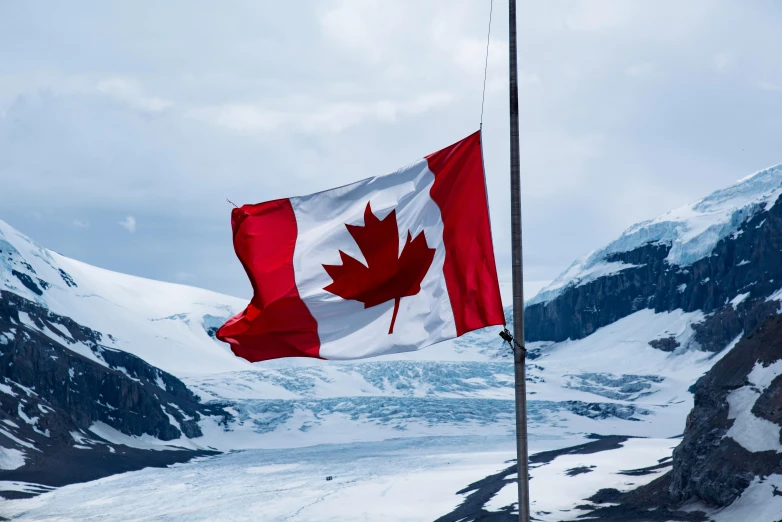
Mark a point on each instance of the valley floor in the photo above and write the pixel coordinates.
(403, 479)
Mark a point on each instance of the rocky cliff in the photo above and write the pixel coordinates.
(732, 444)
(72, 409)
(733, 432)
(731, 283)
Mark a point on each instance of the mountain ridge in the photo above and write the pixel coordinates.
(691, 231)
(736, 285)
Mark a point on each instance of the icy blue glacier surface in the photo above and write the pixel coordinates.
(400, 412)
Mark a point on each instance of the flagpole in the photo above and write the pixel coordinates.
(519, 353)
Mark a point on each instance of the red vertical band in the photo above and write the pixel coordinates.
(276, 323)
(470, 272)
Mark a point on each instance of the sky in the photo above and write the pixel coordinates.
(124, 126)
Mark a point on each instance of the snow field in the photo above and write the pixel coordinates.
(396, 480)
(403, 479)
(558, 487)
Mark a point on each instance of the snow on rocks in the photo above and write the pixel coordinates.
(168, 325)
(762, 500)
(11, 458)
(636, 462)
(736, 301)
(692, 231)
(751, 432)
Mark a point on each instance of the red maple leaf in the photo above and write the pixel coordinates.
(387, 274)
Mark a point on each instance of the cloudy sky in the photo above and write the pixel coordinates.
(125, 125)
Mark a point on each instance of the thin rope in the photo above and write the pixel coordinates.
(486, 62)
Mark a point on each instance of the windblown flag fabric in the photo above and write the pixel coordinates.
(389, 264)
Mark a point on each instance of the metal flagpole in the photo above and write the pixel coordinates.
(519, 353)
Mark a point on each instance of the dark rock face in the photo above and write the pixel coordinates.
(27, 281)
(50, 396)
(745, 262)
(667, 344)
(724, 325)
(650, 503)
(707, 465)
(67, 278)
(572, 472)
(769, 404)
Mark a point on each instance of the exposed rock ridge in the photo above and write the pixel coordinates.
(725, 447)
(50, 396)
(746, 262)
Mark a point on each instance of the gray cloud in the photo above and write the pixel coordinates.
(161, 111)
(129, 224)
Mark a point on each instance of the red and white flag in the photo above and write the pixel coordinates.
(389, 264)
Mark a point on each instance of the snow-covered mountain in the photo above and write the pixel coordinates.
(719, 256)
(616, 346)
(690, 233)
(165, 324)
(76, 403)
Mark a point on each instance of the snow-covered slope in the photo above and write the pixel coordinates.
(398, 480)
(692, 231)
(74, 409)
(729, 462)
(165, 324)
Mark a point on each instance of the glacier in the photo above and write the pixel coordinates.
(401, 479)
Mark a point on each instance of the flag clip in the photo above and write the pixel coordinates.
(508, 337)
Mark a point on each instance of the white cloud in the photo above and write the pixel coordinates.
(588, 15)
(768, 86)
(79, 223)
(724, 61)
(131, 92)
(264, 101)
(470, 55)
(308, 116)
(639, 70)
(129, 224)
(349, 23)
(548, 174)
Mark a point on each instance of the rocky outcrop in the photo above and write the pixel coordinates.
(666, 344)
(710, 465)
(57, 380)
(745, 262)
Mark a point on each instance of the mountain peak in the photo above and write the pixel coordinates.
(692, 231)
(166, 324)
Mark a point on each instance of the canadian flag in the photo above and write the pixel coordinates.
(389, 264)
